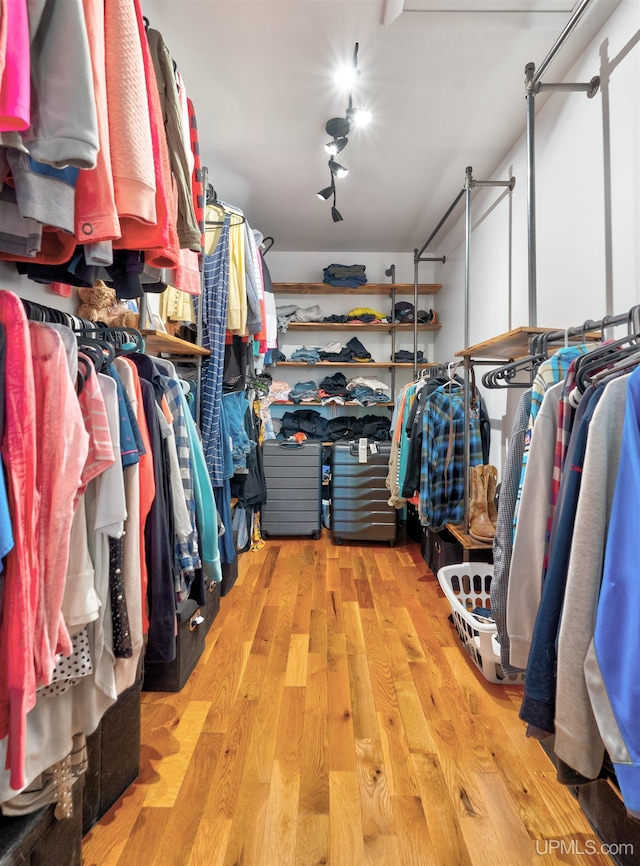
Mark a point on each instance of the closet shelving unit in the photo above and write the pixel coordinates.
(159, 343)
(392, 291)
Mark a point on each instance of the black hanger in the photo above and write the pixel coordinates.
(265, 249)
(146, 22)
(212, 198)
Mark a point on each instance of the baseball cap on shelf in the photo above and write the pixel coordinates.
(403, 312)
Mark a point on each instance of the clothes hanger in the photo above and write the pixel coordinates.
(212, 199)
(266, 249)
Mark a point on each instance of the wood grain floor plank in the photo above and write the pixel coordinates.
(335, 720)
(171, 771)
(346, 842)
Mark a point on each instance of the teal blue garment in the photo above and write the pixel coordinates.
(206, 513)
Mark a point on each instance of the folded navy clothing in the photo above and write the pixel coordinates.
(335, 319)
(343, 272)
(335, 385)
(404, 357)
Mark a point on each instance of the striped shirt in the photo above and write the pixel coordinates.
(549, 373)
(212, 307)
(186, 552)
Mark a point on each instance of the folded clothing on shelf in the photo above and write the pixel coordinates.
(279, 392)
(348, 276)
(310, 356)
(315, 426)
(304, 392)
(404, 357)
(293, 313)
(334, 386)
(367, 396)
(368, 382)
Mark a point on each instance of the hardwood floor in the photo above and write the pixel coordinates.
(334, 719)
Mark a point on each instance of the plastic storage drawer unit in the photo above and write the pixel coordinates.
(359, 498)
(293, 473)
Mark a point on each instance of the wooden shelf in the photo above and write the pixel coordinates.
(513, 344)
(465, 540)
(351, 364)
(161, 343)
(351, 326)
(367, 289)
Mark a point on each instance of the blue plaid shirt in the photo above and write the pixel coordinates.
(442, 464)
(187, 554)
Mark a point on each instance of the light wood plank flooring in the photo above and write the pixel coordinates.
(334, 719)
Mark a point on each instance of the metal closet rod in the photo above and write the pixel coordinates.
(418, 253)
(630, 318)
(557, 45)
(533, 86)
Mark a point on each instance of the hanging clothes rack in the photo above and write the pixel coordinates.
(533, 86)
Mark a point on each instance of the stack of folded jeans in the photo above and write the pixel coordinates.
(349, 276)
(311, 356)
(304, 392)
(366, 391)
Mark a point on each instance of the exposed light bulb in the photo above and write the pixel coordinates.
(337, 169)
(361, 116)
(347, 76)
(334, 147)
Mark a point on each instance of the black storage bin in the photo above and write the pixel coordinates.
(212, 604)
(442, 548)
(293, 475)
(171, 676)
(113, 756)
(360, 509)
(229, 575)
(40, 839)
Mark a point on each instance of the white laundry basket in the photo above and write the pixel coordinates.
(467, 586)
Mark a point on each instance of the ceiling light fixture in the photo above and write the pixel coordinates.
(326, 193)
(334, 147)
(339, 128)
(337, 170)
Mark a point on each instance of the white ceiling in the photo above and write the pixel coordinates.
(446, 89)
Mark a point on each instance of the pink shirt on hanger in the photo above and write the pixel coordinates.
(15, 84)
(63, 445)
(22, 573)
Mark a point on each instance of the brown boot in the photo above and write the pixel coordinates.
(491, 474)
(480, 527)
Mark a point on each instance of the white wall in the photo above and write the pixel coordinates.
(588, 213)
(10, 279)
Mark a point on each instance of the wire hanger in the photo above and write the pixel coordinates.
(265, 249)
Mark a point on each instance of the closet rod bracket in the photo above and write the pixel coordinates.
(471, 183)
(533, 86)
